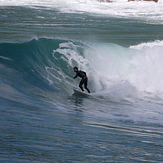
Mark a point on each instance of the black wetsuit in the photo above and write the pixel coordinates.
(84, 80)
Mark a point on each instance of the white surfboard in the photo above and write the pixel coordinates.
(76, 91)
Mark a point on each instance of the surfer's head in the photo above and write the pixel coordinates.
(75, 69)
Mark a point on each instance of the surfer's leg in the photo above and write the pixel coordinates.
(85, 85)
(80, 84)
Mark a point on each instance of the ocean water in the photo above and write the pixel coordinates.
(119, 45)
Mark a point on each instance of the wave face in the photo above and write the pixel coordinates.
(46, 64)
(25, 67)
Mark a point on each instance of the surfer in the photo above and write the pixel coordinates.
(84, 79)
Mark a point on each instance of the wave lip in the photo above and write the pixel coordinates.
(158, 43)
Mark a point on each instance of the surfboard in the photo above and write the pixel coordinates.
(76, 91)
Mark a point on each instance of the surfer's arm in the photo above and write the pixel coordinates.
(75, 77)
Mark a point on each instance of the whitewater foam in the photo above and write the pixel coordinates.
(119, 8)
(114, 69)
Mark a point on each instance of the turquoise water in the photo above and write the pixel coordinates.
(120, 47)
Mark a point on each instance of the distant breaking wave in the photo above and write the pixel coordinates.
(119, 8)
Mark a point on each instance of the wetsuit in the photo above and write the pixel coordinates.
(84, 80)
